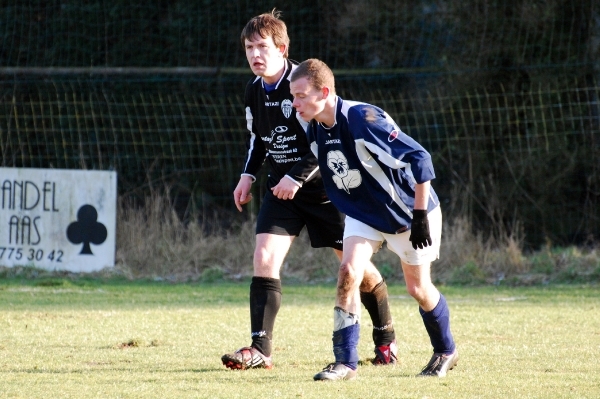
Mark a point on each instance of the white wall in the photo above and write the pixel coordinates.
(39, 225)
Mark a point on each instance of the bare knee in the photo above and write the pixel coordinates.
(261, 256)
(264, 265)
(370, 279)
(269, 253)
(348, 277)
(426, 295)
(346, 272)
(415, 291)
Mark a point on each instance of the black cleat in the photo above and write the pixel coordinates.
(439, 365)
(386, 354)
(246, 358)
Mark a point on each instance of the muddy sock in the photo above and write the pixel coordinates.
(376, 303)
(345, 337)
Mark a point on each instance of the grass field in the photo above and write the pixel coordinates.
(63, 339)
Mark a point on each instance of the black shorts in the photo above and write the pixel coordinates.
(324, 223)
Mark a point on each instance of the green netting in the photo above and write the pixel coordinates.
(504, 94)
(501, 157)
(347, 34)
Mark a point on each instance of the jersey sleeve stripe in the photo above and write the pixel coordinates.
(372, 167)
(249, 120)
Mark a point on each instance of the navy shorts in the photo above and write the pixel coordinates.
(324, 223)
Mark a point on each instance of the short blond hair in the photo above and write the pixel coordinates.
(317, 73)
(265, 25)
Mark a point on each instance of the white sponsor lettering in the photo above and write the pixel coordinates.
(386, 327)
(283, 152)
(283, 139)
(296, 159)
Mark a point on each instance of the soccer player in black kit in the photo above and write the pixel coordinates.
(295, 197)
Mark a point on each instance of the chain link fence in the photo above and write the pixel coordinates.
(505, 96)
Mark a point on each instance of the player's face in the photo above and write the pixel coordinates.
(265, 58)
(308, 101)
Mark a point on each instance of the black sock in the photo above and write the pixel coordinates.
(376, 303)
(265, 300)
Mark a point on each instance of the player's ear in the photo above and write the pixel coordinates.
(325, 92)
(282, 49)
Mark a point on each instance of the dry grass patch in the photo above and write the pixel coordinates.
(153, 242)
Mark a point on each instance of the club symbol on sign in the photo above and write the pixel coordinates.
(86, 229)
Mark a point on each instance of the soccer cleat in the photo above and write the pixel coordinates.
(386, 354)
(334, 372)
(247, 358)
(439, 365)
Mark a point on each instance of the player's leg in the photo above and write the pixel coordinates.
(416, 265)
(265, 289)
(346, 331)
(277, 226)
(374, 297)
(325, 226)
(339, 253)
(436, 318)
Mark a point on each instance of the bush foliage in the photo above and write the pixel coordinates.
(503, 94)
(154, 244)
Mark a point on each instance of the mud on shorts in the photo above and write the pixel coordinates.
(324, 223)
(400, 243)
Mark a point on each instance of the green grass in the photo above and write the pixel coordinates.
(83, 339)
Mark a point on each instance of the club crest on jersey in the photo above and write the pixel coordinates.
(343, 177)
(286, 108)
(393, 136)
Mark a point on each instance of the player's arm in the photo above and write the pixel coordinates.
(242, 194)
(419, 231)
(255, 157)
(303, 171)
(256, 152)
(422, 195)
(306, 168)
(286, 189)
(402, 149)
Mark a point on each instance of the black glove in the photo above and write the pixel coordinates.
(419, 232)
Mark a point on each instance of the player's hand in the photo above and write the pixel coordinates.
(242, 194)
(246, 200)
(419, 232)
(286, 189)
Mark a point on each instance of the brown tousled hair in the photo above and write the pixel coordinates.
(265, 25)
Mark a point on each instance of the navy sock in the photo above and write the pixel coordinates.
(345, 343)
(376, 303)
(265, 300)
(437, 324)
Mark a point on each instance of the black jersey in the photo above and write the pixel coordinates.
(279, 136)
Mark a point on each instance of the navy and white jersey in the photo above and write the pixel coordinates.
(276, 134)
(370, 167)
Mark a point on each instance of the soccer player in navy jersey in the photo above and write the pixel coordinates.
(295, 196)
(380, 178)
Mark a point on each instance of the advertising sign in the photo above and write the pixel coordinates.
(58, 219)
